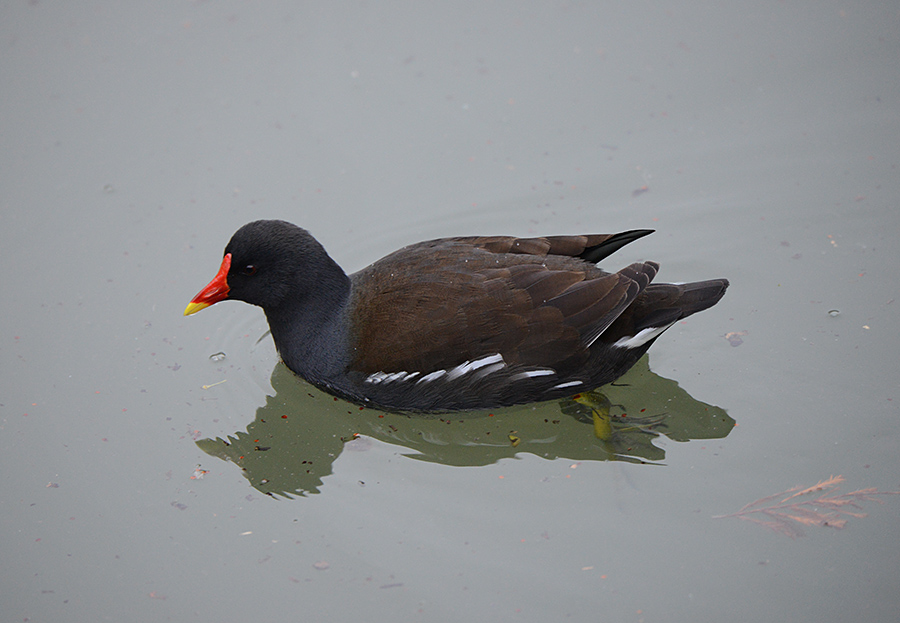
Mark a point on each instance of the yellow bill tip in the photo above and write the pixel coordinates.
(194, 307)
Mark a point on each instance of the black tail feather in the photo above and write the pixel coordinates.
(612, 244)
(663, 303)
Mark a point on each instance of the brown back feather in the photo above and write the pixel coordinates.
(531, 300)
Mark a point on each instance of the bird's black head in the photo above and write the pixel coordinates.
(268, 263)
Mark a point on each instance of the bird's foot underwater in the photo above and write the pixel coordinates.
(606, 425)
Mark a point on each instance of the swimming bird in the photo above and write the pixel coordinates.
(455, 323)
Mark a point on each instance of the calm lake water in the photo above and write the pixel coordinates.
(156, 467)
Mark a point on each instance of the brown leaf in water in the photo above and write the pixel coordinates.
(832, 481)
(830, 509)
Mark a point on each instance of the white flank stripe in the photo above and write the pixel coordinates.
(531, 373)
(384, 377)
(459, 370)
(489, 370)
(432, 376)
(484, 361)
(375, 377)
(569, 384)
(643, 336)
(469, 366)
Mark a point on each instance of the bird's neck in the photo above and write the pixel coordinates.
(310, 328)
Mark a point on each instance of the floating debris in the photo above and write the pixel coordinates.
(829, 509)
(735, 338)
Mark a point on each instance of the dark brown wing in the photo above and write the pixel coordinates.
(438, 304)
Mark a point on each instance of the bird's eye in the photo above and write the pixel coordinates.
(249, 269)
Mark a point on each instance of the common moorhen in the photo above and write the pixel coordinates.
(454, 323)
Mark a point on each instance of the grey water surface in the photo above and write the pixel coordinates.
(155, 467)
